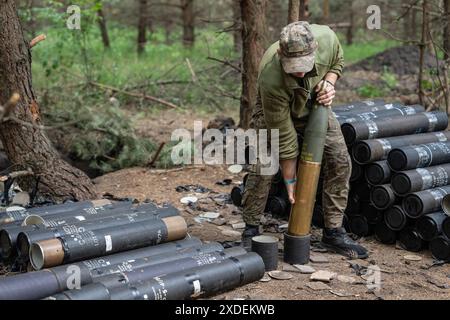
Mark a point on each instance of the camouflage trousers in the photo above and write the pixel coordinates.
(336, 171)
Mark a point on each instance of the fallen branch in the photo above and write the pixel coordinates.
(38, 39)
(191, 70)
(227, 63)
(17, 174)
(131, 94)
(134, 94)
(155, 158)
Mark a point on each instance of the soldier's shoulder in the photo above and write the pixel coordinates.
(270, 74)
(323, 33)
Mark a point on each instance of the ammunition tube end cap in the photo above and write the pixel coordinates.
(100, 203)
(46, 253)
(446, 204)
(176, 228)
(33, 219)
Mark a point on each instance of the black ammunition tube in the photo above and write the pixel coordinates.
(43, 283)
(421, 179)
(357, 172)
(354, 203)
(198, 282)
(8, 238)
(26, 238)
(395, 126)
(430, 225)
(362, 188)
(101, 206)
(363, 106)
(52, 226)
(410, 240)
(369, 151)
(420, 203)
(100, 242)
(360, 226)
(440, 248)
(446, 226)
(396, 218)
(421, 156)
(384, 234)
(236, 195)
(317, 218)
(371, 213)
(96, 290)
(396, 111)
(279, 206)
(143, 262)
(378, 173)
(382, 197)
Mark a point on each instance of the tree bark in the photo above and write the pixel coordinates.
(294, 11)
(253, 40)
(446, 44)
(188, 19)
(413, 24)
(276, 15)
(407, 21)
(304, 10)
(27, 146)
(103, 28)
(326, 12)
(423, 46)
(237, 32)
(351, 28)
(142, 26)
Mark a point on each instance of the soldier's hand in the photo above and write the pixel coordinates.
(291, 194)
(290, 186)
(326, 93)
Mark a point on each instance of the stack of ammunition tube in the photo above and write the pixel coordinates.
(115, 251)
(401, 174)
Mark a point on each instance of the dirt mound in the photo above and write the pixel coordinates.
(399, 60)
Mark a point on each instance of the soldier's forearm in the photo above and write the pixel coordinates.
(289, 169)
(331, 77)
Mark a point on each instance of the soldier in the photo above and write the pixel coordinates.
(301, 68)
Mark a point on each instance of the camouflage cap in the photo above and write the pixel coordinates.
(297, 46)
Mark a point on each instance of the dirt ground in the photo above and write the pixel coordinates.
(400, 278)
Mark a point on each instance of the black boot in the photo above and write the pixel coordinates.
(337, 240)
(249, 233)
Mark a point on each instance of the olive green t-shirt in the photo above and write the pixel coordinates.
(284, 97)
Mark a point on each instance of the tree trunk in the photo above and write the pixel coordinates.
(447, 30)
(253, 33)
(142, 26)
(237, 32)
(423, 46)
(32, 23)
(407, 21)
(413, 24)
(27, 146)
(294, 11)
(103, 29)
(304, 10)
(350, 29)
(326, 12)
(276, 15)
(188, 19)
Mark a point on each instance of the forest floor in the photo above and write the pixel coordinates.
(400, 277)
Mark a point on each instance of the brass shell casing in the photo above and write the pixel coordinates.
(176, 228)
(305, 198)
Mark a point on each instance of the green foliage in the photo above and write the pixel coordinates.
(370, 91)
(362, 50)
(389, 79)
